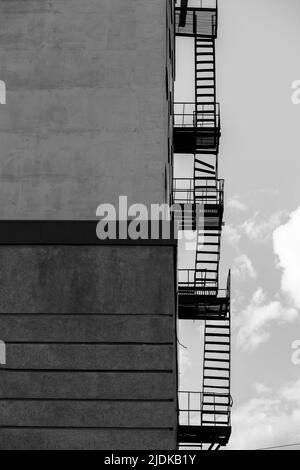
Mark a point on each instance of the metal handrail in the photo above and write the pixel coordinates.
(200, 285)
(199, 20)
(186, 115)
(193, 408)
(184, 191)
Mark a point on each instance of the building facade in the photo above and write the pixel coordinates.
(89, 324)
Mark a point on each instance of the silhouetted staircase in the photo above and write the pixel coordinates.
(207, 110)
(204, 417)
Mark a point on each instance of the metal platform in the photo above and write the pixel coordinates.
(200, 21)
(196, 127)
(195, 409)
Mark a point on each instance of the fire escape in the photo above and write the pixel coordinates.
(204, 417)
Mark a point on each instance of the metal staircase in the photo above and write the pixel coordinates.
(216, 360)
(207, 115)
(204, 417)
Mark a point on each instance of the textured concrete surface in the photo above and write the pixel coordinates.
(78, 439)
(87, 414)
(87, 119)
(91, 346)
(92, 328)
(103, 280)
(95, 357)
(87, 108)
(91, 385)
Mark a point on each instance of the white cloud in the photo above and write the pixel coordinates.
(291, 392)
(243, 268)
(261, 388)
(263, 423)
(255, 320)
(231, 234)
(261, 231)
(286, 241)
(269, 420)
(236, 204)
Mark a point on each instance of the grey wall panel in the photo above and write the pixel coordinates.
(87, 385)
(80, 439)
(87, 414)
(82, 279)
(89, 357)
(87, 328)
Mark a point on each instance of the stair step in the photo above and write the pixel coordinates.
(215, 402)
(218, 335)
(218, 343)
(206, 70)
(224, 395)
(206, 94)
(216, 351)
(213, 377)
(218, 387)
(208, 165)
(225, 369)
(208, 262)
(216, 360)
(212, 412)
(225, 320)
(206, 40)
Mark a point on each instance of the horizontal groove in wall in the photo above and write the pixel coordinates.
(92, 343)
(88, 428)
(158, 315)
(93, 400)
(123, 371)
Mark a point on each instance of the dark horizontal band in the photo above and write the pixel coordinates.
(77, 232)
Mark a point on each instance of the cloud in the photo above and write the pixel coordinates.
(266, 421)
(291, 392)
(243, 268)
(236, 204)
(231, 234)
(261, 388)
(256, 319)
(286, 243)
(261, 231)
(256, 230)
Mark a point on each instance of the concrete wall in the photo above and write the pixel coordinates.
(91, 347)
(86, 117)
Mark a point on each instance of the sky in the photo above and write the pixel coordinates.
(258, 59)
